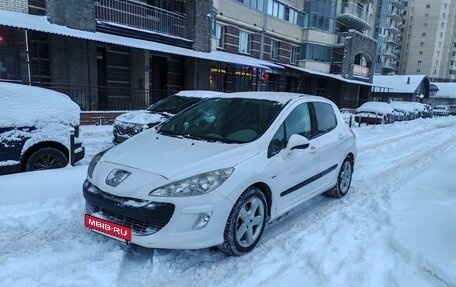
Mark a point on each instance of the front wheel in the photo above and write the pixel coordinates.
(46, 158)
(246, 223)
(343, 180)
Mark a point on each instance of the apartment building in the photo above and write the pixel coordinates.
(127, 54)
(429, 42)
(388, 25)
(323, 45)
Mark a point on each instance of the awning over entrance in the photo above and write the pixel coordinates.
(41, 24)
(334, 76)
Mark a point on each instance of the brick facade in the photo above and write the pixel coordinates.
(14, 5)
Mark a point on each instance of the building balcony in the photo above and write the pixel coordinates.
(391, 55)
(354, 16)
(396, 17)
(393, 42)
(389, 67)
(139, 15)
(394, 30)
(398, 4)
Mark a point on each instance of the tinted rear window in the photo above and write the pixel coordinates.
(326, 119)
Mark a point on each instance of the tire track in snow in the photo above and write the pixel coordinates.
(46, 236)
(327, 241)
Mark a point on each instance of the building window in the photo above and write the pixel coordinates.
(426, 16)
(294, 54)
(419, 61)
(442, 25)
(423, 34)
(284, 12)
(275, 45)
(244, 42)
(421, 44)
(316, 53)
(220, 35)
(425, 24)
(418, 71)
(420, 52)
(428, 6)
(256, 4)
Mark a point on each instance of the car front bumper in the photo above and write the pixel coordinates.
(164, 222)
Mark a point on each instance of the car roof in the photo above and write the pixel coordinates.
(281, 97)
(34, 105)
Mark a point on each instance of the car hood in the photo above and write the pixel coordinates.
(177, 158)
(141, 118)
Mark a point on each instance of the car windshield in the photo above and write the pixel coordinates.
(173, 104)
(228, 120)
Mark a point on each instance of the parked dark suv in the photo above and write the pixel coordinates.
(35, 127)
(132, 123)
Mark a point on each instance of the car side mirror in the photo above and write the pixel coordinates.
(296, 142)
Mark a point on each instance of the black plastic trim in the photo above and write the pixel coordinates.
(308, 181)
(158, 212)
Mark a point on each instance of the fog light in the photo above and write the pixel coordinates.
(202, 221)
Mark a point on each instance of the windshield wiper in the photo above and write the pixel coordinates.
(193, 137)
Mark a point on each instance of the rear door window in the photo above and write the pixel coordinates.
(326, 119)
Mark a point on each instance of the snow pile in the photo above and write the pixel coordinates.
(387, 231)
(27, 106)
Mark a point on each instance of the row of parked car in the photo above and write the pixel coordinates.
(385, 113)
(213, 171)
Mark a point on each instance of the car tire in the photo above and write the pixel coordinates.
(246, 223)
(343, 180)
(46, 158)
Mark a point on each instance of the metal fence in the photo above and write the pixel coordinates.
(91, 98)
(140, 15)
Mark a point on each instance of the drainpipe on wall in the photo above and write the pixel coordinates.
(263, 32)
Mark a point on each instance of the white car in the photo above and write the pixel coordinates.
(441, 110)
(216, 173)
(129, 124)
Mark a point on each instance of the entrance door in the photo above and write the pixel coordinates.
(102, 78)
(158, 78)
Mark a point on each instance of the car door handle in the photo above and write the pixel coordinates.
(313, 149)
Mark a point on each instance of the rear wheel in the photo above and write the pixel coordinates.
(246, 223)
(343, 180)
(46, 158)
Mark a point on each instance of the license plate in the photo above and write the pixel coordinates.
(106, 227)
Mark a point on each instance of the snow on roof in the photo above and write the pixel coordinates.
(446, 90)
(22, 106)
(334, 76)
(375, 107)
(40, 23)
(199, 93)
(280, 97)
(407, 106)
(398, 83)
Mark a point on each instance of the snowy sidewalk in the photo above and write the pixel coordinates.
(424, 218)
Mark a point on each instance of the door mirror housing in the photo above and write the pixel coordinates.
(296, 142)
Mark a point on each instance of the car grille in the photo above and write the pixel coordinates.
(127, 129)
(137, 226)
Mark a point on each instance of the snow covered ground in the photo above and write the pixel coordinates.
(396, 227)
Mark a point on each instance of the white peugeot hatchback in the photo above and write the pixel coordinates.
(215, 174)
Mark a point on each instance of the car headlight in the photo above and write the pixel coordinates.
(195, 185)
(94, 161)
